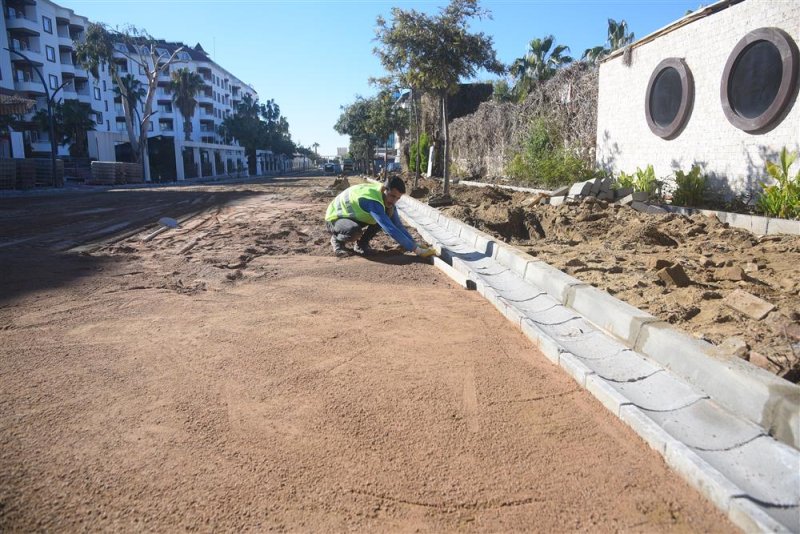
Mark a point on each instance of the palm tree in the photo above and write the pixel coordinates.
(539, 64)
(72, 121)
(133, 93)
(185, 85)
(315, 146)
(618, 37)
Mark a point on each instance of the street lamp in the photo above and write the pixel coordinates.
(50, 100)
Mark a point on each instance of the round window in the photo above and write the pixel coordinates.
(760, 79)
(670, 94)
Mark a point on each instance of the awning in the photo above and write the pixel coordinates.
(15, 105)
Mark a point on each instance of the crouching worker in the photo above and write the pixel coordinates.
(361, 211)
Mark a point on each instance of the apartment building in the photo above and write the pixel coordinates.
(41, 36)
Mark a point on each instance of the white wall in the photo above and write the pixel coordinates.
(624, 140)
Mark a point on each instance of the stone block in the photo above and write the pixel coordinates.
(546, 344)
(574, 367)
(659, 391)
(514, 259)
(640, 196)
(702, 476)
(597, 184)
(580, 189)
(560, 191)
(646, 428)
(747, 304)
(616, 317)
(626, 200)
(733, 273)
(750, 517)
(744, 389)
(557, 201)
(459, 278)
(550, 279)
(647, 208)
(623, 192)
(609, 397)
(674, 275)
(783, 226)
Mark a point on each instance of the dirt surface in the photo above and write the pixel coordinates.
(622, 251)
(232, 374)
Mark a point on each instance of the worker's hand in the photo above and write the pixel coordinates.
(425, 252)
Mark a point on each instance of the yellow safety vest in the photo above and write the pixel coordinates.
(345, 205)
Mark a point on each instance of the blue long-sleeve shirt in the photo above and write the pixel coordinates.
(391, 225)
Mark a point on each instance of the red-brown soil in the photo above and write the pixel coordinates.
(618, 249)
(253, 381)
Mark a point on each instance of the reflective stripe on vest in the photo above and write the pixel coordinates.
(346, 206)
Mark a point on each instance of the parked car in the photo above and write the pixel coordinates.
(393, 166)
(329, 168)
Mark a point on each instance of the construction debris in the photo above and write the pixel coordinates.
(748, 304)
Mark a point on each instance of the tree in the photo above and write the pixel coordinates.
(315, 146)
(618, 37)
(539, 64)
(259, 127)
(115, 47)
(433, 53)
(72, 120)
(354, 121)
(184, 86)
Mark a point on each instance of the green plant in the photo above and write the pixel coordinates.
(624, 181)
(691, 187)
(781, 199)
(423, 154)
(642, 180)
(542, 161)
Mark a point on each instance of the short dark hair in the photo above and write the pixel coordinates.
(395, 182)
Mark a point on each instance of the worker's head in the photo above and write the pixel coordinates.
(393, 189)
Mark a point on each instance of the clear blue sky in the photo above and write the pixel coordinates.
(314, 56)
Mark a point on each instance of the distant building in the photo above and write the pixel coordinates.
(45, 32)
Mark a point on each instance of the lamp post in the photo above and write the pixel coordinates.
(50, 99)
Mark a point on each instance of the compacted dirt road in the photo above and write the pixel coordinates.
(232, 374)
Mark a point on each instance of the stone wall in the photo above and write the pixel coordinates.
(734, 159)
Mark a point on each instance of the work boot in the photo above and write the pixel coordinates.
(338, 249)
(363, 248)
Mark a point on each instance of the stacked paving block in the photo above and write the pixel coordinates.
(8, 174)
(26, 173)
(602, 189)
(103, 173)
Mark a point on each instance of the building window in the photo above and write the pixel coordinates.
(97, 93)
(47, 24)
(99, 117)
(108, 125)
(106, 103)
(104, 85)
(50, 52)
(53, 82)
(670, 95)
(760, 79)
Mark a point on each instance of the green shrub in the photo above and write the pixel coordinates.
(641, 180)
(692, 187)
(544, 162)
(424, 149)
(781, 199)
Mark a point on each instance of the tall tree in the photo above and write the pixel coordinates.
(618, 36)
(259, 127)
(354, 121)
(116, 50)
(184, 86)
(540, 63)
(72, 120)
(435, 53)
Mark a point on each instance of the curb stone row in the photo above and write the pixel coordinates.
(713, 421)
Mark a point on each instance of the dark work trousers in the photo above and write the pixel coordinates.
(346, 230)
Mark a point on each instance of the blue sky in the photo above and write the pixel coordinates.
(312, 57)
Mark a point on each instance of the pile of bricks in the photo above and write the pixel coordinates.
(115, 173)
(602, 189)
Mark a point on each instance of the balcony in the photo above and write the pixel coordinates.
(80, 72)
(17, 21)
(65, 43)
(68, 69)
(165, 126)
(28, 85)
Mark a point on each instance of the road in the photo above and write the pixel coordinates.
(232, 374)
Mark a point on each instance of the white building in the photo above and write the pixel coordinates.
(45, 32)
(717, 88)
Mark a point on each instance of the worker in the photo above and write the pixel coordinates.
(359, 212)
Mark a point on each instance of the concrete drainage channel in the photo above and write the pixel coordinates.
(712, 420)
